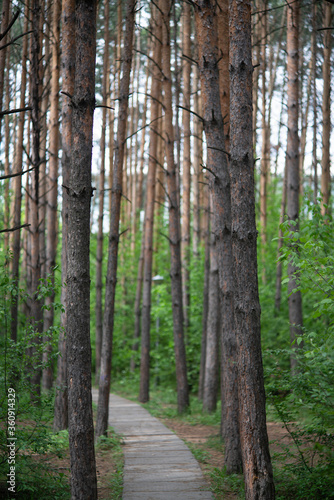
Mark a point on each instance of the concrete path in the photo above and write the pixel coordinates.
(157, 464)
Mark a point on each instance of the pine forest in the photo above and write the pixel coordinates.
(167, 235)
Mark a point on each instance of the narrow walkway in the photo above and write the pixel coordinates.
(157, 464)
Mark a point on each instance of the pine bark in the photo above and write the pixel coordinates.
(211, 377)
(186, 163)
(174, 218)
(17, 184)
(256, 461)
(326, 113)
(81, 430)
(149, 214)
(35, 303)
(99, 249)
(3, 51)
(52, 188)
(68, 74)
(292, 155)
(221, 225)
(108, 320)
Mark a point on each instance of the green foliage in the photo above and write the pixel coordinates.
(223, 484)
(113, 443)
(304, 400)
(33, 414)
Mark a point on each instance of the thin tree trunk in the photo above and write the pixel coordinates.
(3, 52)
(304, 122)
(256, 461)
(149, 214)
(295, 298)
(186, 163)
(326, 113)
(314, 81)
(205, 306)
(197, 160)
(52, 188)
(35, 304)
(68, 73)
(174, 219)
(265, 139)
(211, 377)
(81, 430)
(280, 244)
(108, 320)
(137, 307)
(99, 249)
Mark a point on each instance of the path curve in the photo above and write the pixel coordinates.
(157, 464)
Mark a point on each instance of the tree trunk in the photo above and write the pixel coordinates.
(265, 139)
(7, 167)
(174, 218)
(197, 161)
(205, 306)
(326, 113)
(315, 113)
(256, 461)
(292, 155)
(223, 65)
(108, 320)
(185, 246)
(52, 189)
(99, 249)
(211, 377)
(3, 51)
(149, 213)
(68, 73)
(35, 304)
(280, 245)
(81, 430)
(221, 207)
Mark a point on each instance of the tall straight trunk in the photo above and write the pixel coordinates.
(315, 113)
(197, 161)
(108, 320)
(99, 249)
(45, 76)
(139, 200)
(326, 114)
(7, 166)
(221, 228)
(186, 163)
(280, 245)
(228, 361)
(256, 74)
(68, 73)
(265, 138)
(35, 304)
(256, 461)
(81, 430)
(111, 117)
(137, 307)
(304, 125)
(3, 52)
(174, 218)
(211, 376)
(205, 309)
(52, 188)
(292, 155)
(149, 214)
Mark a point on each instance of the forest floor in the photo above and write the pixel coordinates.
(204, 442)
